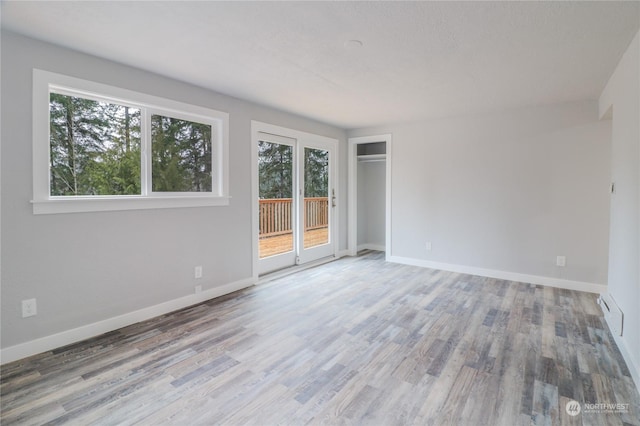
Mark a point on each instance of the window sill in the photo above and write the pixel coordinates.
(101, 204)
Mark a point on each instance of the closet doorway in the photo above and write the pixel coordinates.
(370, 194)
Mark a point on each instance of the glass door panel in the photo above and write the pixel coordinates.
(316, 205)
(276, 220)
(316, 197)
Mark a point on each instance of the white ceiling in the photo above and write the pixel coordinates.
(418, 60)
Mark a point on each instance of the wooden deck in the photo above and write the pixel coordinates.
(270, 246)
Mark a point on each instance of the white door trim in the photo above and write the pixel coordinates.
(352, 237)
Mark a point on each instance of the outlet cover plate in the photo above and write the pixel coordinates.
(29, 308)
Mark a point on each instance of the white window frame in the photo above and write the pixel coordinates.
(44, 203)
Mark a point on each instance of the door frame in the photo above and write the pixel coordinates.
(304, 138)
(306, 255)
(352, 235)
(282, 260)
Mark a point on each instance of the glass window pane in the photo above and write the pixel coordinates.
(181, 155)
(94, 147)
(316, 197)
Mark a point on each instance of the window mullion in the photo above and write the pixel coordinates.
(145, 157)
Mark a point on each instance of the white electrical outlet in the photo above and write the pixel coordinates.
(561, 261)
(29, 308)
(198, 289)
(428, 245)
(198, 272)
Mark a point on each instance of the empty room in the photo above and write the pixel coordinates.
(320, 212)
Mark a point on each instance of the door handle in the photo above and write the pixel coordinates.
(333, 198)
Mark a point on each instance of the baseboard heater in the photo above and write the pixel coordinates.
(612, 313)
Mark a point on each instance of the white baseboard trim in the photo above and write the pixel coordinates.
(47, 343)
(376, 247)
(342, 253)
(503, 275)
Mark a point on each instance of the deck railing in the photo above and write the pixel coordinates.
(275, 216)
(316, 213)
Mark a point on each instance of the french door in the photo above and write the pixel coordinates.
(296, 200)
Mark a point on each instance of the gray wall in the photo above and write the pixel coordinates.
(87, 267)
(507, 191)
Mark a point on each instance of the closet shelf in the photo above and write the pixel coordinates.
(372, 157)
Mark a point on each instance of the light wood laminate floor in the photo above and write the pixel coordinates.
(356, 341)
